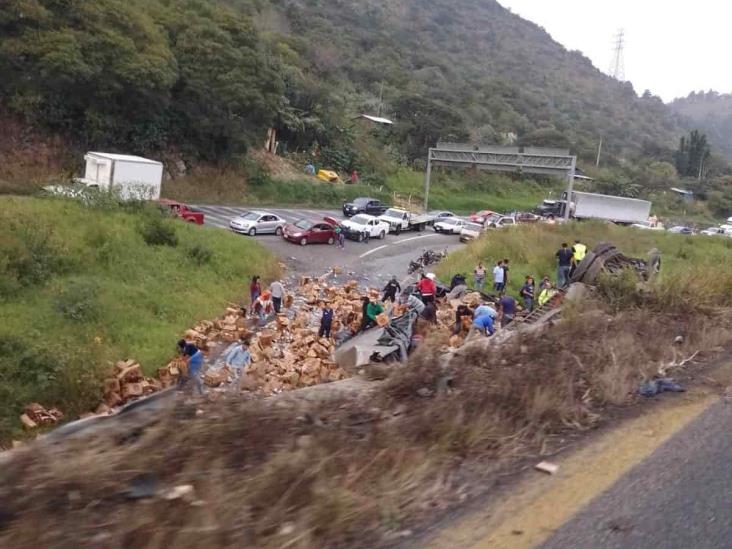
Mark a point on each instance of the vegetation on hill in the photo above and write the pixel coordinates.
(696, 274)
(711, 112)
(208, 77)
(82, 287)
(202, 80)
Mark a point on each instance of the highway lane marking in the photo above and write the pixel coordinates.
(416, 238)
(539, 506)
(372, 251)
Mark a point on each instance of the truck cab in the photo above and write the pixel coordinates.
(403, 220)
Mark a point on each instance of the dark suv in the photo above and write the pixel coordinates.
(369, 206)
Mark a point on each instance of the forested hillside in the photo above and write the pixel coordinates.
(206, 78)
(710, 112)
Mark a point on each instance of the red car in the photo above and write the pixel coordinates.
(182, 211)
(307, 231)
(481, 216)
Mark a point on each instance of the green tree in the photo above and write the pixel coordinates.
(691, 154)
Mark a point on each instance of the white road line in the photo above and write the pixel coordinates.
(372, 251)
(416, 238)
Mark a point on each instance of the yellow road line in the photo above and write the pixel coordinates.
(541, 504)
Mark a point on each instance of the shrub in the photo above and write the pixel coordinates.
(200, 254)
(28, 256)
(78, 302)
(159, 232)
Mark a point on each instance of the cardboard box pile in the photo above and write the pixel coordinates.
(128, 383)
(35, 414)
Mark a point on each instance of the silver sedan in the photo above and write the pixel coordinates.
(256, 222)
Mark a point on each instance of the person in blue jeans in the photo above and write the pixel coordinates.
(194, 357)
(564, 265)
(484, 325)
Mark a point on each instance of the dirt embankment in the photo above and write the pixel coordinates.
(347, 472)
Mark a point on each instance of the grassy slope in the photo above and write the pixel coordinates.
(143, 296)
(704, 263)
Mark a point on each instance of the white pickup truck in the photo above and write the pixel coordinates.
(361, 225)
(402, 220)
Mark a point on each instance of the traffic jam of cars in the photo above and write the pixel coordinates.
(368, 218)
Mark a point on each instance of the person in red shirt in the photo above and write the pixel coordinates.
(354, 178)
(427, 288)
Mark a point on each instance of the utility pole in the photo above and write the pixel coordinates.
(427, 176)
(701, 166)
(617, 66)
(599, 150)
(381, 98)
(570, 189)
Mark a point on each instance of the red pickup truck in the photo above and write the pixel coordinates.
(182, 211)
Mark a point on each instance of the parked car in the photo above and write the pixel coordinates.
(646, 225)
(527, 217)
(499, 222)
(308, 231)
(256, 222)
(438, 215)
(470, 231)
(681, 230)
(450, 225)
(182, 211)
(369, 206)
(361, 224)
(724, 230)
(481, 216)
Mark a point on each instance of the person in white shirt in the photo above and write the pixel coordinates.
(278, 293)
(499, 277)
(238, 357)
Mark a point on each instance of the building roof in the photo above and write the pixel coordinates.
(376, 119)
(123, 157)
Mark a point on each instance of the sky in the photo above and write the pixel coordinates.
(672, 47)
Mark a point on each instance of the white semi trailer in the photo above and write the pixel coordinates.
(618, 209)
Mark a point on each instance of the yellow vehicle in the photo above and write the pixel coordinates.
(329, 176)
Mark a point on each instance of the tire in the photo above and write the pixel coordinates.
(331, 240)
(303, 242)
(382, 236)
(360, 237)
(278, 231)
(252, 232)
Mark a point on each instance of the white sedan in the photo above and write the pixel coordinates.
(450, 225)
(360, 225)
(254, 223)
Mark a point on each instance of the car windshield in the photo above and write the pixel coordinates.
(450, 221)
(361, 201)
(360, 219)
(303, 224)
(473, 227)
(250, 216)
(391, 212)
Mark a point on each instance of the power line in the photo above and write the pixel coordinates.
(617, 66)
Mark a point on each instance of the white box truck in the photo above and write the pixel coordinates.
(618, 209)
(133, 177)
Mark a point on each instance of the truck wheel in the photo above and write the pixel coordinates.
(398, 230)
(382, 236)
(303, 241)
(331, 240)
(419, 228)
(360, 237)
(252, 232)
(278, 231)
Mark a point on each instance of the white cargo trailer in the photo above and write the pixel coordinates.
(613, 208)
(133, 177)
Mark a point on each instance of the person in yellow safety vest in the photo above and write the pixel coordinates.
(547, 293)
(579, 251)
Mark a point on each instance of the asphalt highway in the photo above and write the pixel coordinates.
(679, 498)
(376, 260)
